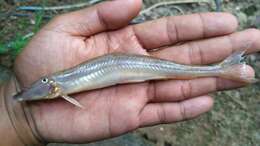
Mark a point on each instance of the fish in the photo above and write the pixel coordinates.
(121, 68)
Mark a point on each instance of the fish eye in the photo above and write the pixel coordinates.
(44, 80)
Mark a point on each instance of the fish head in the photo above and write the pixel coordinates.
(45, 88)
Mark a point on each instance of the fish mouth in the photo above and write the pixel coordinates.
(25, 96)
(19, 97)
(22, 96)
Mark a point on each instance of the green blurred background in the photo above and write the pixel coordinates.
(235, 119)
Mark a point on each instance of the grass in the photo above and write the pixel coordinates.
(14, 46)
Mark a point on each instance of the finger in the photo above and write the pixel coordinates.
(178, 90)
(105, 16)
(212, 50)
(170, 30)
(159, 113)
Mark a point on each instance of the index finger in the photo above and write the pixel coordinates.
(171, 30)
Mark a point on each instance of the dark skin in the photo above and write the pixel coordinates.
(72, 38)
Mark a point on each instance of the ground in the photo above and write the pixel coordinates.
(235, 119)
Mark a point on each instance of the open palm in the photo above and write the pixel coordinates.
(78, 36)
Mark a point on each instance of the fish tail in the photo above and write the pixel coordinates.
(235, 68)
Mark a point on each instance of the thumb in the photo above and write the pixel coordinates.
(107, 15)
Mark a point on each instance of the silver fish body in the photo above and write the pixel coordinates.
(119, 68)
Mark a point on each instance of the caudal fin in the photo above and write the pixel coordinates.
(235, 69)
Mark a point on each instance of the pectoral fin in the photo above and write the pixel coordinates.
(73, 101)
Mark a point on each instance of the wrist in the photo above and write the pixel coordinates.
(17, 124)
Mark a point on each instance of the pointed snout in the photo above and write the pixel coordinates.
(22, 96)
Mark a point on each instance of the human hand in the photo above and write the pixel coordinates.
(72, 38)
